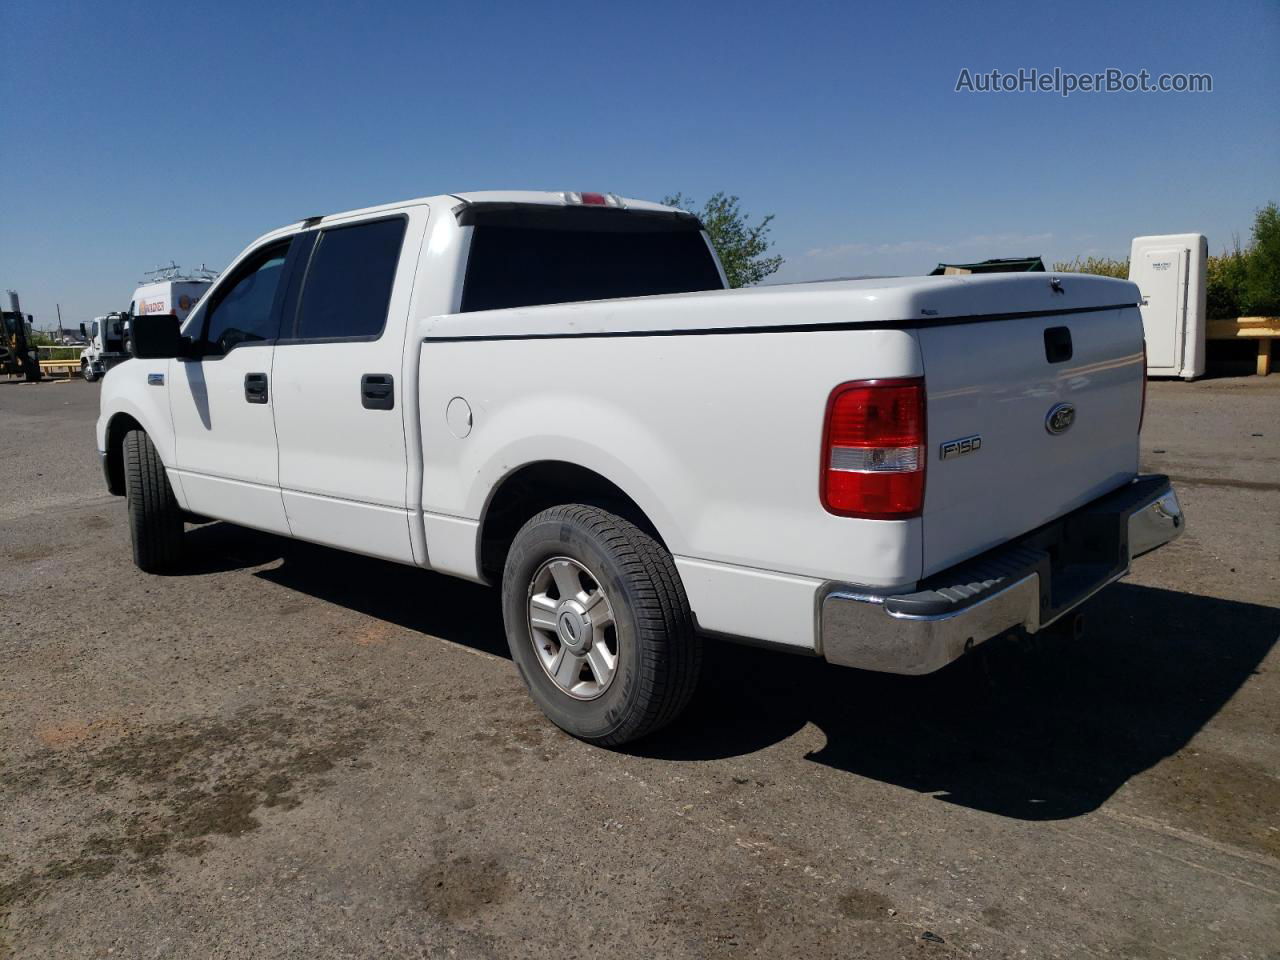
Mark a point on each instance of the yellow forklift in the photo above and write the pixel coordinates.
(17, 354)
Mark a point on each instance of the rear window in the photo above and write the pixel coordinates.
(521, 266)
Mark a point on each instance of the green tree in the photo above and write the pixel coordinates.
(740, 246)
(1261, 287)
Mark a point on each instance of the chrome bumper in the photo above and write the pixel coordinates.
(1007, 589)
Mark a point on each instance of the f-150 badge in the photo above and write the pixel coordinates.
(958, 448)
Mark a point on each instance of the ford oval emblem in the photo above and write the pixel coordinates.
(1060, 418)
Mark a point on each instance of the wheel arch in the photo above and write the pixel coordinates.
(532, 488)
(119, 425)
(129, 402)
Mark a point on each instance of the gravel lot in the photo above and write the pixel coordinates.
(292, 752)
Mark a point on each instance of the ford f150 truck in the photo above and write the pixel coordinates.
(556, 394)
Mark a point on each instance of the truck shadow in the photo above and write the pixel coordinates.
(1021, 730)
(429, 603)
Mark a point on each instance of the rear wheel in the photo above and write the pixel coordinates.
(598, 624)
(155, 521)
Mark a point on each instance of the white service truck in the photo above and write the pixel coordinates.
(107, 337)
(175, 296)
(554, 393)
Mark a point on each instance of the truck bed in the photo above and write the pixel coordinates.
(707, 410)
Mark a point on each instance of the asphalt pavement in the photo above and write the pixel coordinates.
(287, 751)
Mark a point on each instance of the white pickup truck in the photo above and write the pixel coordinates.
(555, 393)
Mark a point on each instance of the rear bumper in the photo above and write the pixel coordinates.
(1027, 583)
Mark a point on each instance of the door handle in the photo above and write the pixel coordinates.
(1057, 344)
(255, 387)
(377, 391)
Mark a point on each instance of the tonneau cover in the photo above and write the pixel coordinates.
(898, 301)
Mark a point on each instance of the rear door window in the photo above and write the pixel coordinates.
(348, 282)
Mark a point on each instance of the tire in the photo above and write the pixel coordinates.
(155, 522)
(86, 371)
(648, 629)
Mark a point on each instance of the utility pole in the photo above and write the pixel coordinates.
(60, 334)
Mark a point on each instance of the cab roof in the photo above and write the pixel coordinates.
(547, 198)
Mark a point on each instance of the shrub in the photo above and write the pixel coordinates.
(1102, 266)
(1224, 282)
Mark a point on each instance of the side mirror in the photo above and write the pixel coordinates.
(156, 337)
(83, 332)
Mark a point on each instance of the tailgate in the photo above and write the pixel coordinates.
(1055, 432)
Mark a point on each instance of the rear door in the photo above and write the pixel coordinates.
(222, 399)
(339, 404)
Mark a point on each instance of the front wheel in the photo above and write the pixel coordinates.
(155, 520)
(86, 371)
(599, 624)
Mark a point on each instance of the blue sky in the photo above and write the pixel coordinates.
(135, 133)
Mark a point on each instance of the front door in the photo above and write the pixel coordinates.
(222, 398)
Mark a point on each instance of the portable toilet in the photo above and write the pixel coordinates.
(1170, 274)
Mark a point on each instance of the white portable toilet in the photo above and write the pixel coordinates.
(1170, 273)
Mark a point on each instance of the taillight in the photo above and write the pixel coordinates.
(873, 449)
(1142, 410)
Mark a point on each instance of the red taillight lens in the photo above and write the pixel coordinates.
(873, 449)
(594, 199)
(1142, 410)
